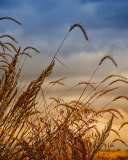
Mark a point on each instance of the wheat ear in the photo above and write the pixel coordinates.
(10, 19)
(81, 27)
(108, 57)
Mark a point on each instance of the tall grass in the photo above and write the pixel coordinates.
(63, 130)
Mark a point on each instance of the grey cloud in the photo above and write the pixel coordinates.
(48, 18)
(45, 23)
(113, 15)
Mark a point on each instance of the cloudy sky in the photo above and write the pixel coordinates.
(46, 22)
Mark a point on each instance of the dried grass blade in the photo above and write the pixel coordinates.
(121, 96)
(113, 75)
(87, 84)
(120, 141)
(29, 47)
(118, 80)
(123, 125)
(115, 131)
(61, 63)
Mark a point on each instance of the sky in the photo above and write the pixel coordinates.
(45, 23)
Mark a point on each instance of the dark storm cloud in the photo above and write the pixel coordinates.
(51, 17)
(113, 15)
(96, 14)
(48, 21)
(4, 4)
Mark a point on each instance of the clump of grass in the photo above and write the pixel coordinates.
(63, 130)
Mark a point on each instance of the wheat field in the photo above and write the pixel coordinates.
(61, 130)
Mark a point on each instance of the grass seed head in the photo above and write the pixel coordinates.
(81, 27)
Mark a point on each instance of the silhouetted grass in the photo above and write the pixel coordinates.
(63, 130)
